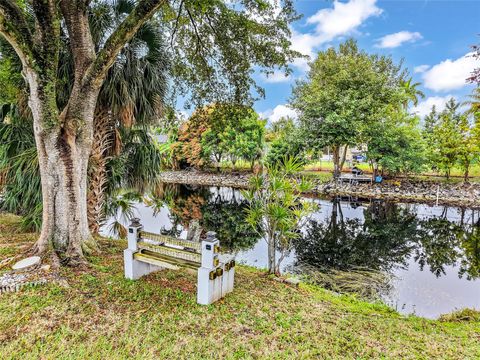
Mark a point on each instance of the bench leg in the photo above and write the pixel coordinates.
(205, 287)
(135, 269)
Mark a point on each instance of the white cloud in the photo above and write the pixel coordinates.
(277, 77)
(424, 107)
(304, 43)
(450, 74)
(343, 19)
(278, 112)
(421, 68)
(394, 40)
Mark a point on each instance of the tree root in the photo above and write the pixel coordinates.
(90, 246)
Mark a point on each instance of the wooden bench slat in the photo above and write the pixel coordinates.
(165, 261)
(169, 251)
(171, 240)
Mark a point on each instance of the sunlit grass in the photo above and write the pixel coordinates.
(456, 173)
(322, 170)
(101, 315)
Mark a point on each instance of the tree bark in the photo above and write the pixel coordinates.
(271, 255)
(63, 150)
(338, 160)
(63, 168)
(466, 173)
(344, 156)
(103, 138)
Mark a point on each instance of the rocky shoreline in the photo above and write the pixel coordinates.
(464, 195)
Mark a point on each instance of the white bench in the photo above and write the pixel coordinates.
(148, 252)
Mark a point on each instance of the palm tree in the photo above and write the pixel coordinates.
(473, 102)
(132, 95)
(411, 93)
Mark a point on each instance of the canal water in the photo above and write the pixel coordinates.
(430, 255)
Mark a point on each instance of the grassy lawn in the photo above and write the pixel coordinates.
(322, 171)
(456, 174)
(100, 315)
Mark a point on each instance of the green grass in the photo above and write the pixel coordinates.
(456, 173)
(100, 315)
(322, 171)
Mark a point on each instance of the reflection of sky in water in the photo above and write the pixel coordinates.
(414, 290)
(422, 293)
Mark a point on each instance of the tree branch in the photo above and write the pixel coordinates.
(123, 34)
(15, 29)
(176, 22)
(83, 49)
(47, 33)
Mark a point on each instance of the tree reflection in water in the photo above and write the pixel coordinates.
(389, 234)
(216, 209)
(384, 238)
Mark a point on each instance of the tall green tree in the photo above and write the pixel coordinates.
(346, 91)
(469, 149)
(449, 138)
(214, 46)
(396, 145)
(235, 132)
(218, 132)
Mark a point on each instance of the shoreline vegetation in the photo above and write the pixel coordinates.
(454, 194)
(96, 313)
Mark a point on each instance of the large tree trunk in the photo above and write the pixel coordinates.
(64, 139)
(63, 147)
(63, 168)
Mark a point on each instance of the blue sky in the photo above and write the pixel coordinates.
(432, 36)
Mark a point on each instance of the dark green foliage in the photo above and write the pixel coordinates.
(396, 146)
(289, 144)
(218, 43)
(381, 242)
(227, 218)
(346, 92)
(19, 172)
(133, 93)
(138, 164)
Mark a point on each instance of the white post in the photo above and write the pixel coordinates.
(231, 275)
(228, 264)
(209, 281)
(135, 269)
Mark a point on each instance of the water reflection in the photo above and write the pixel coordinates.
(407, 240)
(379, 235)
(215, 209)
(379, 241)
